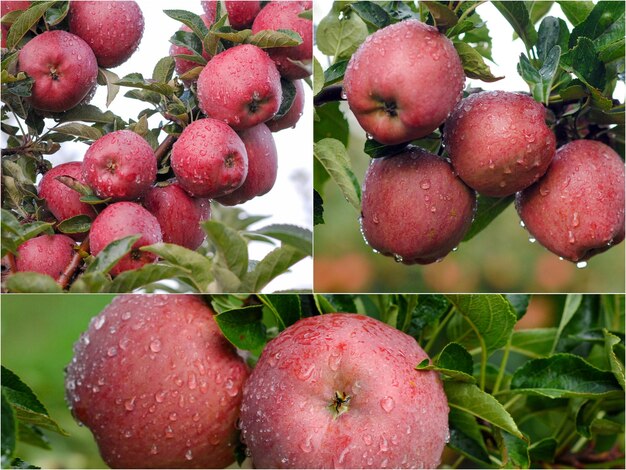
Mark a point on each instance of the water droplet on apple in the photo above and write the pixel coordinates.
(581, 264)
(155, 346)
(387, 404)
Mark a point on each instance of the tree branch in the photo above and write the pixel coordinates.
(71, 268)
(165, 147)
(328, 94)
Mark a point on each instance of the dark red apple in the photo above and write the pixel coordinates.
(61, 200)
(45, 254)
(241, 14)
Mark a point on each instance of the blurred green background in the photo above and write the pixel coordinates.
(499, 259)
(38, 333)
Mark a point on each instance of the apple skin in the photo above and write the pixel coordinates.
(210, 9)
(64, 69)
(45, 254)
(157, 384)
(284, 15)
(240, 86)
(498, 142)
(262, 166)
(291, 117)
(182, 65)
(120, 220)
(241, 14)
(577, 209)
(120, 165)
(403, 81)
(6, 7)
(396, 417)
(209, 159)
(112, 29)
(61, 200)
(178, 214)
(414, 207)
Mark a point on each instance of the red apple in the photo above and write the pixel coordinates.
(62, 201)
(113, 29)
(414, 207)
(241, 14)
(120, 165)
(210, 9)
(209, 159)
(498, 142)
(240, 86)
(291, 117)
(45, 254)
(7, 7)
(63, 67)
(262, 166)
(157, 384)
(341, 391)
(178, 214)
(120, 220)
(577, 209)
(284, 15)
(403, 81)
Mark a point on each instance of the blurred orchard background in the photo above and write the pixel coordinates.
(38, 332)
(289, 202)
(499, 259)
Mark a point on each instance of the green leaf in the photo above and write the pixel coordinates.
(243, 327)
(164, 70)
(91, 283)
(372, 14)
(455, 357)
(19, 463)
(297, 237)
(429, 309)
(9, 429)
(617, 365)
(268, 38)
(543, 450)
(443, 16)
(57, 13)
(487, 209)
(472, 400)
(110, 79)
(335, 72)
(234, 36)
(491, 318)
(516, 450)
(583, 61)
(79, 130)
(28, 408)
(517, 15)
(26, 21)
(466, 438)
(577, 11)
(539, 9)
(377, 150)
(563, 375)
(199, 266)
(335, 159)
(286, 308)
(332, 123)
(535, 342)
(572, 303)
(473, 63)
(111, 254)
(190, 19)
(231, 246)
(273, 265)
(603, 25)
(519, 302)
(552, 32)
(128, 281)
(76, 224)
(318, 77)
(136, 80)
(91, 113)
(28, 282)
(318, 208)
(340, 38)
(33, 436)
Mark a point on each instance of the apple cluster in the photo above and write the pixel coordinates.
(405, 81)
(227, 154)
(159, 386)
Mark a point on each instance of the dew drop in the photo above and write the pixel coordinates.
(111, 352)
(155, 346)
(99, 322)
(425, 184)
(398, 258)
(130, 404)
(387, 404)
(188, 454)
(306, 446)
(581, 264)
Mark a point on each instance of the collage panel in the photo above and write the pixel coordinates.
(469, 147)
(313, 381)
(156, 146)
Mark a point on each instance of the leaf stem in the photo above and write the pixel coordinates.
(440, 327)
(469, 10)
(505, 359)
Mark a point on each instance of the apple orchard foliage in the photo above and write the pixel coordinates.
(220, 264)
(549, 397)
(401, 81)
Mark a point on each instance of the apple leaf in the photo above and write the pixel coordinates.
(516, 13)
(372, 14)
(617, 365)
(243, 327)
(318, 77)
(516, 450)
(487, 209)
(111, 254)
(268, 38)
(543, 450)
(26, 21)
(519, 302)
(473, 63)
(82, 131)
(490, 317)
(335, 72)
(288, 96)
(274, 264)
(190, 19)
(286, 308)
(9, 431)
(128, 281)
(297, 237)
(576, 12)
(27, 282)
(331, 124)
(470, 399)
(318, 208)
(76, 224)
(335, 159)
(377, 150)
(199, 266)
(466, 438)
(535, 342)
(340, 38)
(230, 245)
(564, 375)
(164, 70)
(443, 16)
(90, 283)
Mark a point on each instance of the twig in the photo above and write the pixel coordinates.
(165, 147)
(12, 264)
(71, 268)
(331, 93)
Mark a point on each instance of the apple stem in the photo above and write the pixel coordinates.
(328, 94)
(340, 403)
(71, 268)
(12, 265)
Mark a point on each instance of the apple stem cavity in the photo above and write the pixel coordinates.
(340, 403)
